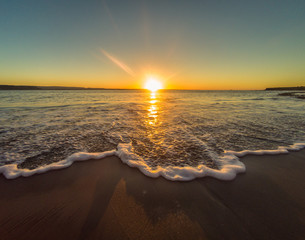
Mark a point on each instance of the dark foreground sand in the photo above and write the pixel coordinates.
(105, 199)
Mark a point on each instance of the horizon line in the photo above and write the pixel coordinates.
(103, 88)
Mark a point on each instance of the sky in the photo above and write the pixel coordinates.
(194, 44)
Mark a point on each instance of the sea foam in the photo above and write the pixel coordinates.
(229, 164)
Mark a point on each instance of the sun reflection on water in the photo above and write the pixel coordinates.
(153, 110)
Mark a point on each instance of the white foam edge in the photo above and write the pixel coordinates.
(229, 164)
(280, 150)
(11, 171)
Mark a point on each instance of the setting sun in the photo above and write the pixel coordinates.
(153, 84)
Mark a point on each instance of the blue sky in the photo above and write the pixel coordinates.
(187, 44)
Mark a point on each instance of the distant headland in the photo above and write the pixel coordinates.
(286, 88)
(15, 87)
(295, 91)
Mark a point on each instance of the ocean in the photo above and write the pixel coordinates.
(177, 134)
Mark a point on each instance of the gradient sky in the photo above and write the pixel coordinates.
(195, 44)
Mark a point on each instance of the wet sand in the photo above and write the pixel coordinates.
(105, 199)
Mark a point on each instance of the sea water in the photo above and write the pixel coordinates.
(179, 135)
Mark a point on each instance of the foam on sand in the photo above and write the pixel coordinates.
(229, 164)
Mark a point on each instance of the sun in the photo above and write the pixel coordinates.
(153, 84)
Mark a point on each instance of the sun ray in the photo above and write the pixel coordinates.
(119, 63)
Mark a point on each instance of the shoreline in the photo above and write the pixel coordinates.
(229, 164)
(105, 199)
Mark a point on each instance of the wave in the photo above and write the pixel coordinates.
(229, 164)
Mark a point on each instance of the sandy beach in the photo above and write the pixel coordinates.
(105, 199)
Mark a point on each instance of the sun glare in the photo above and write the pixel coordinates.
(153, 84)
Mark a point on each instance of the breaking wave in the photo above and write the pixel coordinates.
(229, 165)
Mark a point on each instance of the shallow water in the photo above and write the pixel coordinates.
(166, 128)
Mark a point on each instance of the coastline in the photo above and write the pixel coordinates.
(229, 164)
(105, 199)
